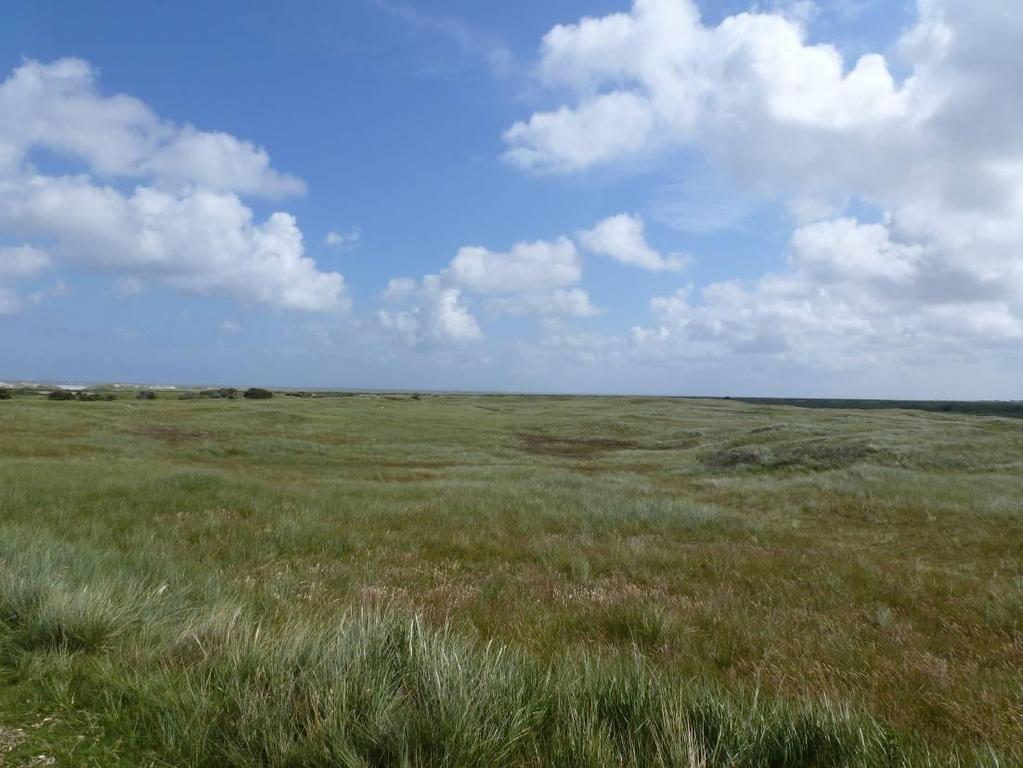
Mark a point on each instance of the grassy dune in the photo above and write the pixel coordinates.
(380, 580)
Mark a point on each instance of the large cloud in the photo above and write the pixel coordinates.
(852, 297)
(179, 221)
(938, 154)
(58, 106)
(658, 76)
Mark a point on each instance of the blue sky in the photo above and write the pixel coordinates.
(731, 223)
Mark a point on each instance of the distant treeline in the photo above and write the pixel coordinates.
(228, 393)
(1004, 408)
(105, 395)
(1007, 408)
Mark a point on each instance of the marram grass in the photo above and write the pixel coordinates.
(197, 679)
(508, 582)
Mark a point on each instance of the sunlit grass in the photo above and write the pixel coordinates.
(510, 581)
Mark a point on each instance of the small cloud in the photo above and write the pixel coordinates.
(230, 326)
(472, 43)
(623, 238)
(22, 262)
(799, 11)
(432, 314)
(343, 241)
(501, 62)
(55, 291)
(573, 302)
(529, 267)
(399, 288)
(9, 303)
(129, 286)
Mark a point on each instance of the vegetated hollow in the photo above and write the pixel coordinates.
(571, 447)
(171, 434)
(816, 456)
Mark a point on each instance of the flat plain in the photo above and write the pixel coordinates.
(502, 580)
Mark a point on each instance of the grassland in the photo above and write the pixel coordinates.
(383, 580)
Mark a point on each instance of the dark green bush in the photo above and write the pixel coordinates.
(5, 394)
(95, 397)
(61, 394)
(257, 393)
(223, 393)
(146, 394)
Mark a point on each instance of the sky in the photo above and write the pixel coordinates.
(666, 196)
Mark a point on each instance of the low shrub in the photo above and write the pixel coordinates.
(146, 394)
(5, 394)
(222, 393)
(257, 393)
(61, 394)
(95, 397)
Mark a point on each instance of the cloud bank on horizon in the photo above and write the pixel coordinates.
(901, 176)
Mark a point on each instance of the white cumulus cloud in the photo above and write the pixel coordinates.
(526, 267)
(428, 313)
(156, 201)
(907, 190)
(599, 129)
(658, 76)
(531, 278)
(623, 238)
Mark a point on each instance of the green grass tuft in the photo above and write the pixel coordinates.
(462, 581)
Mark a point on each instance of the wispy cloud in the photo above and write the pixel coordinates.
(343, 241)
(471, 43)
(704, 201)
